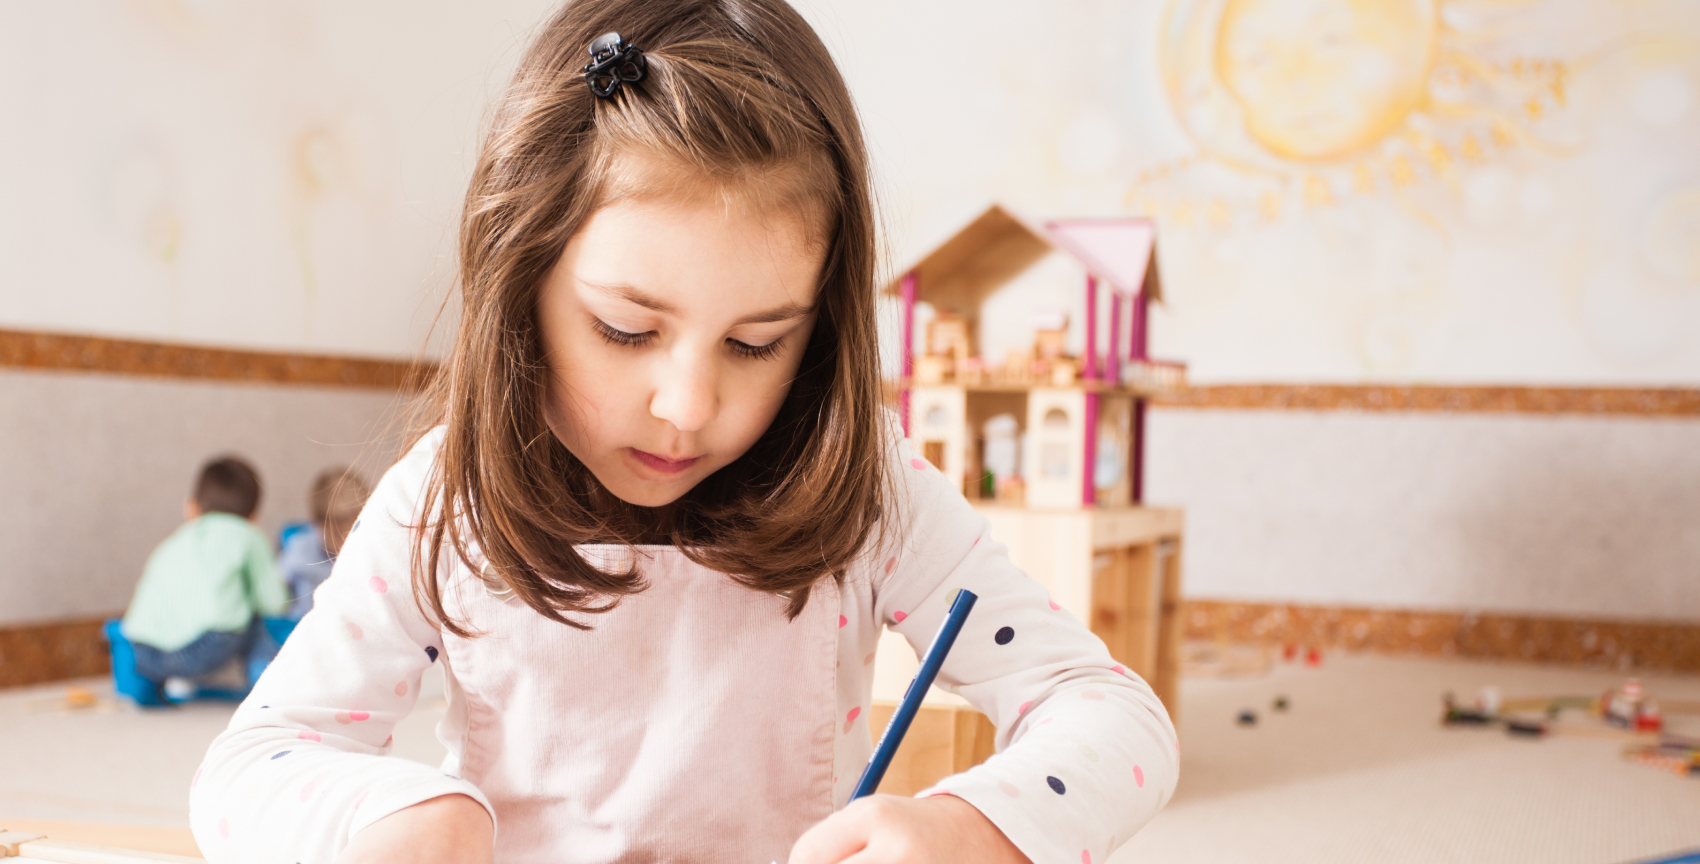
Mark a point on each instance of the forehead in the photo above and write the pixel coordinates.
(708, 256)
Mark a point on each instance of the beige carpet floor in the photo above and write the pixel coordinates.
(1358, 769)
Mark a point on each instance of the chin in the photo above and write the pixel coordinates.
(650, 494)
(652, 498)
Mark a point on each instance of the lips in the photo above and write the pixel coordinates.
(662, 464)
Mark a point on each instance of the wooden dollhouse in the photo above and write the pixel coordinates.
(1047, 445)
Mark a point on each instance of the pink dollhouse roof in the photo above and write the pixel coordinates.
(998, 245)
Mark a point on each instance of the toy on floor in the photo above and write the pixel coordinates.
(1280, 703)
(1247, 717)
(141, 691)
(1679, 756)
(1457, 715)
(1628, 708)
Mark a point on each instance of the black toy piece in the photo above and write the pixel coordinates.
(1525, 728)
(613, 63)
(1247, 717)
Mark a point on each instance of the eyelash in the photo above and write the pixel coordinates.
(632, 340)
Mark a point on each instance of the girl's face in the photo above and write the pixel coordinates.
(674, 327)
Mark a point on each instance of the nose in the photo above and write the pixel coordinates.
(686, 390)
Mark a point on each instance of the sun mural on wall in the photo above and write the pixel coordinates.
(1314, 101)
(1427, 189)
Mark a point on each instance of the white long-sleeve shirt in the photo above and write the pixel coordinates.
(693, 723)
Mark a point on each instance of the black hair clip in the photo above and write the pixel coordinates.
(612, 63)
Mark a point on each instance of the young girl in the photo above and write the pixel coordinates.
(656, 536)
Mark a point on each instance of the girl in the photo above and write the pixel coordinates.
(655, 538)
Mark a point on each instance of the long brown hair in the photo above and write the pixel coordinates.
(735, 89)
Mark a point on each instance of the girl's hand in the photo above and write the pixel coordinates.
(451, 829)
(886, 829)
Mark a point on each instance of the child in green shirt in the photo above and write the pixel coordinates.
(197, 604)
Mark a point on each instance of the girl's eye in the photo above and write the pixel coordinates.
(756, 352)
(620, 337)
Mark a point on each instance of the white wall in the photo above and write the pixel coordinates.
(271, 175)
(1592, 517)
(287, 174)
(95, 470)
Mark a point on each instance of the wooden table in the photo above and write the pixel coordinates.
(25, 840)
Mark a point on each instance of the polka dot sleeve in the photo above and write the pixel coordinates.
(304, 766)
(1086, 753)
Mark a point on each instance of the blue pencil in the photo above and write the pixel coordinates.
(930, 664)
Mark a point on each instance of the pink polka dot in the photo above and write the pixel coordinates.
(401, 688)
(890, 565)
(193, 783)
(224, 827)
(850, 719)
(1046, 720)
(975, 543)
(1054, 606)
(869, 659)
(343, 718)
(1085, 856)
(1119, 669)
(377, 584)
(307, 790)
(388, 741)
(358, 716)
(1139, 776)
(899, 616)
(1009, 789)
(842, 621)
(354, 631)
(1024, 706)
(307, 735)
(918, 464)
(1094, 695)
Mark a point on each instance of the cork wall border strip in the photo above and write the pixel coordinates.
(1628, 645)
(1640, 401)
(53, 651)
(21, 349)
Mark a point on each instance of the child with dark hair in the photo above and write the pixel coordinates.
(334, 502)
(196, 605)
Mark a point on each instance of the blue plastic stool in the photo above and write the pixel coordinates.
(124, 677)
(289, 530)
(133, 686)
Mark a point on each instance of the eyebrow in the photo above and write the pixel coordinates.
(629, 294)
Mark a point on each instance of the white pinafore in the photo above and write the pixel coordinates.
(695, 723)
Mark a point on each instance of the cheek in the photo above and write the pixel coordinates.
(587, 396)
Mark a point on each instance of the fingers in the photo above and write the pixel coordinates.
(836, 838)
